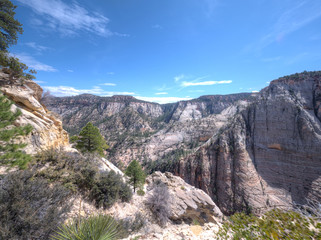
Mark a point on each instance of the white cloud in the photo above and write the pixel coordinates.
(255, 91)
(108, 84)
(69, 70)
(162, 100)
(61, 91)
(69, 18)
(205, 83)
(161, 93)
(35, 64)
(179, 77)
(37, 47)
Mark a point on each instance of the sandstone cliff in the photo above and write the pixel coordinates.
(142, 130)
(269, 153)
(247, 152)
(47, 128)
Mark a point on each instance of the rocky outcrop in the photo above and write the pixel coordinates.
(188, 203)
(269, 154)
(47, 129)
(142, 130)
(247, 152)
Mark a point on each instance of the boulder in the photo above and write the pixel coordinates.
(188, 204)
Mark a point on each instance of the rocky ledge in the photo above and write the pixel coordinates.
(47, 128)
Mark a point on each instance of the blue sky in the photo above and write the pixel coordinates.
(167, 50)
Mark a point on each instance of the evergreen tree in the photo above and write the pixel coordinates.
(136, 174)
(9, 29)
(10, 150)
(90, 140)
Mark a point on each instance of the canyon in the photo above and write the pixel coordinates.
(248, 151)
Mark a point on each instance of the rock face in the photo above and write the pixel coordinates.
(188, 203)
(247, 152)
(269, 154)
(142, 130)
(47, 129)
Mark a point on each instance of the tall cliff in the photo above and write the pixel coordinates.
(142, 130)
(249, 152)
(47, 128)
(269, 153)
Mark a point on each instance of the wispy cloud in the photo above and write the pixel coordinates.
(69, 18)
(61, 91)
(69, 70)
(179, 77)
(37, 47)
(162, 88)
(210, 6)
(33, 63)
(299, 15)
(271, 59)
(161, 93)
(157, 26)
(196, 91)
(108, 84)
(205, 83)
(297, 58)
(110, 73)
(162, 100)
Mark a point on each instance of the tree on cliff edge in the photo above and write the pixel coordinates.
(9, 29)
(10, 150)
(90, 140)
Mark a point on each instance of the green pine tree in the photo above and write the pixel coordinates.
(136, 174)
(9, 29)
(10, 150)
(90, 140)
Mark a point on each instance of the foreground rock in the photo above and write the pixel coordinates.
(47, 128)
(188, 204)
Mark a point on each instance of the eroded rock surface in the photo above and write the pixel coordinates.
(269, 154)
(142, 130)
(188, 203)
(47, 129)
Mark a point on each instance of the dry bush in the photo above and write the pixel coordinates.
(30, 206)
(159, 202)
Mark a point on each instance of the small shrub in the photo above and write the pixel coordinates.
(108, 188)
(81, 174)
(94, 227)
(141, 192)
(30, 206)
(159, 203)
(132, 224)
(275, 224)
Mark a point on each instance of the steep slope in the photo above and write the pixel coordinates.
(143, 130)
(269, 154)
(47, 128)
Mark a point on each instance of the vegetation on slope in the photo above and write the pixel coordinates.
(275, 224)
(10, 150)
